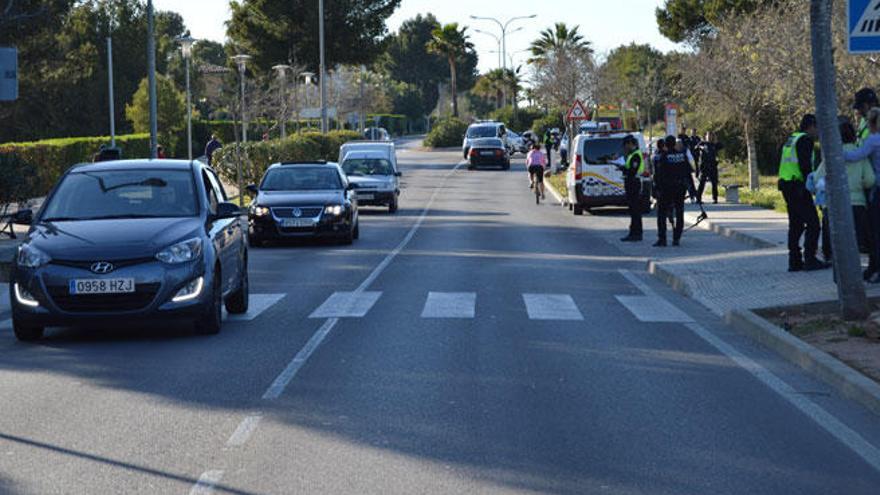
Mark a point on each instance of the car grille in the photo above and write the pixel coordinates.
(307, 212)
(296, 230)
(83, 303)
(87, 265)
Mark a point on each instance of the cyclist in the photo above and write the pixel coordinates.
(536, 161)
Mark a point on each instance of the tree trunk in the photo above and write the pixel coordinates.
(752, 151)
(847, 263)
(454, 87)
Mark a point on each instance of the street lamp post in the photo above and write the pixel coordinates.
(323, 68)
(151, 82)
(282, 69)
(307, 82)
(186, 44)
(241, 62)
(497, 39)
(110, 91)
(504, 26)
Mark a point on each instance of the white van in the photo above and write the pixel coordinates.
(372, 169)
(594, 181)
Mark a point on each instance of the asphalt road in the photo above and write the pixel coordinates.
(472, 343)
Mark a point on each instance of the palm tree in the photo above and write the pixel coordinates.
(451, 42)
(559, 39)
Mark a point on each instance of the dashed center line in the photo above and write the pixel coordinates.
(244, 430)
(206, 483)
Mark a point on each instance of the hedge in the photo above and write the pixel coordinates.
(50, 158)
(257, 156)
(446, 133)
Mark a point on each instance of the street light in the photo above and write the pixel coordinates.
(186, 45)
(498, 39)
(322, 67)
(503, 27)
(151, 82)
(241, 61)
(307, 82)
(282, 69)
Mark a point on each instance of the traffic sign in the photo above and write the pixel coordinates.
(8, 73)
(863, 22)
(671, 119)
(577, 111)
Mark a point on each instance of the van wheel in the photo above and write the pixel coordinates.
(578, 210)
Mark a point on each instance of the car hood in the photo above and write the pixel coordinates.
(88, 240)
(303, 198)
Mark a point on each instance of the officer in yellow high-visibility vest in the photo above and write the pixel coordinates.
(865, 99)
(794, 167)
(633, 170)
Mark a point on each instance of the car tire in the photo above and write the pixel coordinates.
(26, 333)
(357, 231)
(392, 208)
(578, 210)
(210, 321)
(255, 242)
(347, 239)
(506, 166)
(237, 302)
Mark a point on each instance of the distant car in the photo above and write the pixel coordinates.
(375, 176)
(517, 143)
(484, 129)
(377, 134)
(303, 199)
(122, 241)
(488, 152)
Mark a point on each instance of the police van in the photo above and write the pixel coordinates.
(594, 180)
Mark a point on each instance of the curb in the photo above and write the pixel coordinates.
(555, 193)
(847, 381)
(669, 278)
(731, 233)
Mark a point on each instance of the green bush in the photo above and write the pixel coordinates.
(446, 133)
(257, 156)
(394, 124)
(549, 121)
(50, 158)
(520, 120)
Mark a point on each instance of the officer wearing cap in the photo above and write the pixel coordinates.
(864, 101)
(633, 170)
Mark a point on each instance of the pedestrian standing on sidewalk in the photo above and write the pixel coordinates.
(707, 166)
(870, 149)
(795, 165)
(633, 169)
(672, 174)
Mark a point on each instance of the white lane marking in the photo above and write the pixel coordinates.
(206, 483)
(347, 305)
(278, 386)
(6, 325)
(280, 383)
(823, 418)
(244, 430)
(653, 309)
(552, 307)
(450, 305)
(257, 304)
(639, 283)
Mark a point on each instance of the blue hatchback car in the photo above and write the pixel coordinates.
(133, 240)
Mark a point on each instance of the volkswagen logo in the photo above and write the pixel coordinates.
(102, 267)
(297, 212)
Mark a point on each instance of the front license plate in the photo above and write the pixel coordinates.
(102, 286)
(366, 196)
(297, 222)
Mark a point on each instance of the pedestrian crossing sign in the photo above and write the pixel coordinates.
(863, 22)
(579, 112)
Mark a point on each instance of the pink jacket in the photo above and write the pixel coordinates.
(536, 157)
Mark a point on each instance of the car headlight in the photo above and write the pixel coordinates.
(181, 252)
(260, 211)
(31, 257)
(189, 291)
(334, 210)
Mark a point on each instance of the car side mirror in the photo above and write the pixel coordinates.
(23, 217)
(227, 210)
(351, 186)
(252, 188)
(398, 174)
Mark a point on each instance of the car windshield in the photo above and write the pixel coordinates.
(482, 131)
(367, 166)
(297, 178)
(110, 194)
(603, 150)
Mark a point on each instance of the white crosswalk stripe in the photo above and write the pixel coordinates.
(347, 305)
(258, 304)
(653, 309)
(552, 307)
(450, 305)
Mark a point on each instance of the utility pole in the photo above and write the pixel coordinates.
(323, 68)
(281, 69)
(151, 81)
(110, 92)
(363, 119)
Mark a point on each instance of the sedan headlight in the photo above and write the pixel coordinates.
(181, 252)
(334, 210)
(31, 257)
(260, 211)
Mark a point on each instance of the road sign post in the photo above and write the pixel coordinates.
(8, 73)
(863, 26)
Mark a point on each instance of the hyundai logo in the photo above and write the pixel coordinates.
(102, 267)
(297, 212)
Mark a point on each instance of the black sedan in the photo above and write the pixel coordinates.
(124, 241)
(488, 152)
(303, 199)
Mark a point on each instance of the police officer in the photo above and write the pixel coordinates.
(865, 100)
(672, 174)
(794, 167)
(707, 166)
(633, 169)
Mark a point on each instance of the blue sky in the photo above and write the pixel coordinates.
(607, 23)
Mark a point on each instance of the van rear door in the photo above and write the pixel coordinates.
(599, 177)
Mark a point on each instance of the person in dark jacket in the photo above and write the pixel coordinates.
(672, 174)
(213, 145)
(707, 165)
(795, 165)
